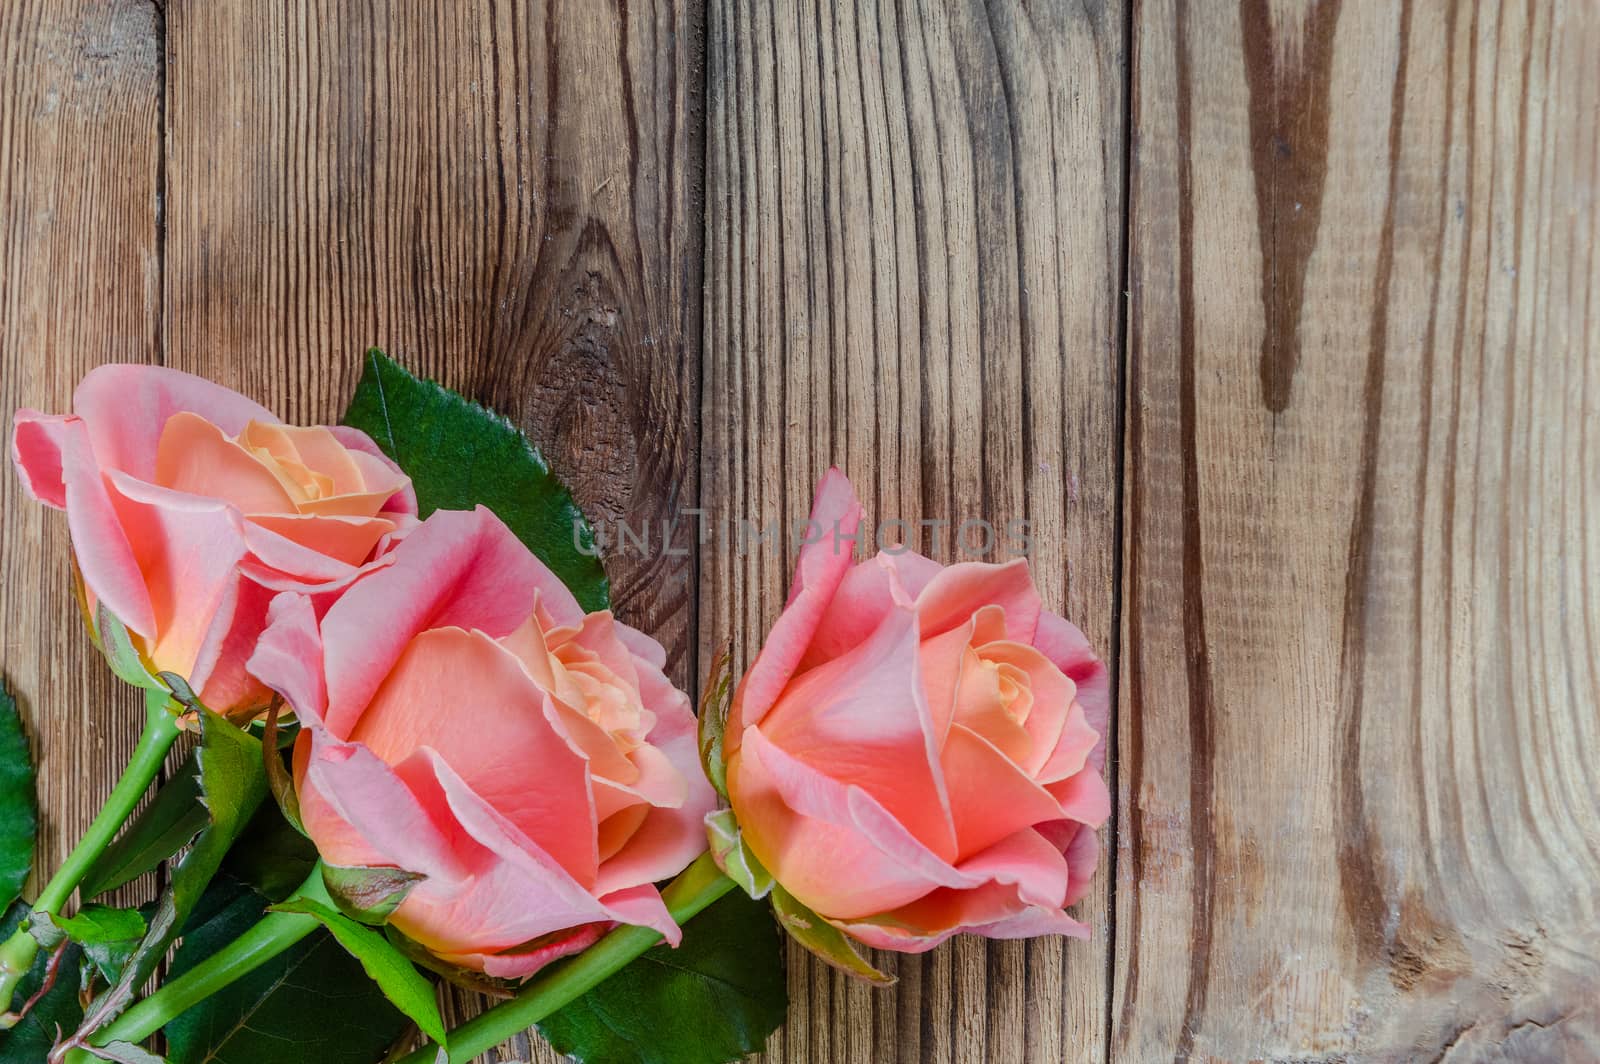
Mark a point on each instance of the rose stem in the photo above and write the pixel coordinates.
(697, 887)
(161, 730)
(270, 936)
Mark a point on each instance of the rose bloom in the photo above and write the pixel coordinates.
(190, 506)
(915, 752)
(465, 720)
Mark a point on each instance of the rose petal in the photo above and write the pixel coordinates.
(990, 796)
(641, 646)
(669, 838)
(518, 891)
(959, 591)
(521, 964)
(1021, 881)
(1080, 846)
(1074, 748)
(187, 548)
(288, 657)
(315, 448)
(328, 546)
(855, 716)
(498, 740)
(1083, 797)
(806, 827)
(1065, 644)
(863, 598)
(360, 812)
(1052, 700)
(57, 462)
(820, 568)
(127, 406)
(233, 636)
(457, 569)
(374, 464)
(194, 456)
(37, 441)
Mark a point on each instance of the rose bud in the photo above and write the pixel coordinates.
(465, 721)
(190, 506)
(915, 752)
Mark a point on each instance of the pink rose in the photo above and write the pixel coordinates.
(190, 506)
(916, 751)
(465, 720)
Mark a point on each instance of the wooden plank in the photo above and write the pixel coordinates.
(1357, 742)
(502, 195)
(912, 258)
(79, 285)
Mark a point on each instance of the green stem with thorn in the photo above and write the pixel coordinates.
(161, 730)
(270, 936)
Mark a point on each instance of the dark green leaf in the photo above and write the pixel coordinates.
(108, 935)
(368, 894)
(173, 818)
(715, 998)
(271, 855)
(402, 984)
(19, 813)
(310, 1003)
(30, 1040)
(460, 455)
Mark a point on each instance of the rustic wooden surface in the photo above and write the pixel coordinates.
(1360, 716)
(1324, 486)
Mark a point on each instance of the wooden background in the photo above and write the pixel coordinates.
(1279, 321)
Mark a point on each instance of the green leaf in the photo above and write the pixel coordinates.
(735, 859)
(271, 855)
(715, 998)
(714, 720)
(402, 984)
(310, 1003)
(108, 935)
(460, 455)
(19, 811)
(368, 894)
(173, 818)
(822, 938)
(30, 1040)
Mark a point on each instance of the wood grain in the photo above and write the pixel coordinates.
(912, 251)
(1356, 503)
(1359, 786)
(503, 196)
(79, 284)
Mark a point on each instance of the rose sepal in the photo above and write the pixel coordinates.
(368, 895)
(823, 939)
(737, 862)
(713, 721)
(116, 643)
(279, 783)
(454, 974)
